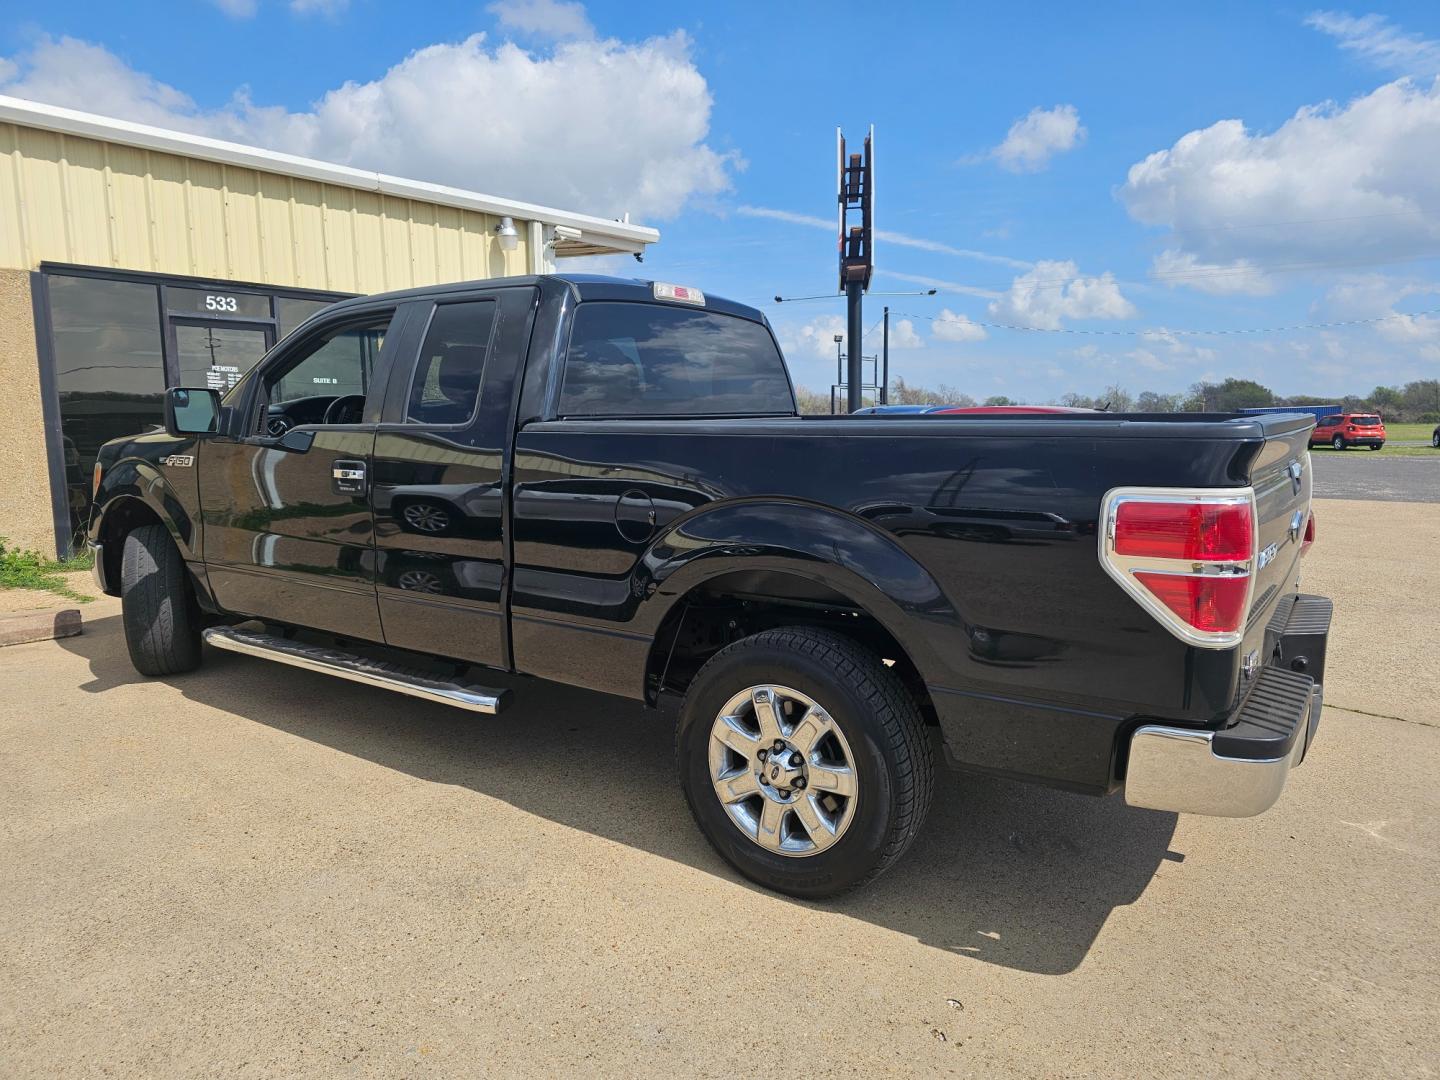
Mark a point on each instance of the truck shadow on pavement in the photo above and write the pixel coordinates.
(1010, 874)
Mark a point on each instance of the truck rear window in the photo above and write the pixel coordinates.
(629, 359)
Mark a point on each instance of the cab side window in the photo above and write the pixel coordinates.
(327, 379)
(446, 388)
(1329, 421)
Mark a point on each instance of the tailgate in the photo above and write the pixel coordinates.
(1281, 476)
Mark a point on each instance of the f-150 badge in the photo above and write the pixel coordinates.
(179, 461)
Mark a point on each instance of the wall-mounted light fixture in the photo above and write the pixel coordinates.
(507, 234)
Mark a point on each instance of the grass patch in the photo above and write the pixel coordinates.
(31, 570)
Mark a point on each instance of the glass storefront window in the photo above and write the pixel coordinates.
(291, 311)
(110, 347)
(215, 357)
(110, 372)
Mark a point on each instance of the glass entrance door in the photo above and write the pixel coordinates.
(216, 354)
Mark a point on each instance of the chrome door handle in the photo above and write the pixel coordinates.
(347, 477)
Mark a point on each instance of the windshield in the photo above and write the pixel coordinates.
(1365, 421)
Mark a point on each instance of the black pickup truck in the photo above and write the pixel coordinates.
(605, 483)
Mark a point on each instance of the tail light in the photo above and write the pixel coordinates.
(1309, 537)
(95, 481)
(1188, 557)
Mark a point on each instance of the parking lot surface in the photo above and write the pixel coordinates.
(1357, 474)
(256, 871)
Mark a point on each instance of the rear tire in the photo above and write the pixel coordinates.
(1338, 442)
(877, 747)
(162, 623)
(1376, 446)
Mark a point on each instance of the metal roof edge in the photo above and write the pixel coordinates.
(108, 129)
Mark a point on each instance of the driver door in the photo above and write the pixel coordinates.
(285, 497)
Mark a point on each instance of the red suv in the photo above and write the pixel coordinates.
(1344, 430)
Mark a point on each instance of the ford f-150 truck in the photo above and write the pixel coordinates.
(606, 483)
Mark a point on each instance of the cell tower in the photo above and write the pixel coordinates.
(855, 193)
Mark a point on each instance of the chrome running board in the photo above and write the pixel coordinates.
(361, 669)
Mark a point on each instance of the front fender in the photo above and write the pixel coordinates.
(842, 552)
(132, 479)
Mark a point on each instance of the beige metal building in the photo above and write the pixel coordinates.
(132, 258)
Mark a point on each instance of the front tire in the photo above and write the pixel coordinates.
(804, 760)
(162, 623)
(1338, 442)
(1376, 446)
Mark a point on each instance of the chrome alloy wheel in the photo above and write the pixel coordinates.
(782, 770)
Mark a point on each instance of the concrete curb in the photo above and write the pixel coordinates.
(41, 625)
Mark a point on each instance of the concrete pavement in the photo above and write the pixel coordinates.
(257, 871)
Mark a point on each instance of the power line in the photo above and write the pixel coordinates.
(1165, 331)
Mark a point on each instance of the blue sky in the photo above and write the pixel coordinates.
(1137, 173)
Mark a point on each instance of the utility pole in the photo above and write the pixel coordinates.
(855, 181)
(885, 361)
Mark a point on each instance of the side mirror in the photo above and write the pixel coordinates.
(191, 412)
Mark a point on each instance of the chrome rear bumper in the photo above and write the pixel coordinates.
(1179, 769)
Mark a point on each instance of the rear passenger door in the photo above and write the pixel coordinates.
(593, 488)
(440, 460)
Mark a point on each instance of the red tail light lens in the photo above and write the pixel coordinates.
(1212, 605)
(1184, 530)
(1186, 556)
(1309, 533)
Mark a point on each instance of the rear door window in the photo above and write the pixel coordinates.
(446, 387)
(636, 359)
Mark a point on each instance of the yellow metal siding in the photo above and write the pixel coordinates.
(67, 199)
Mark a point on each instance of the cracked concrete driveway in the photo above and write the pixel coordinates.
(256, 871)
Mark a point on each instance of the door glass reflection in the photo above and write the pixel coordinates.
(216, 356)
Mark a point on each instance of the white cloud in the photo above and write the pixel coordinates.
(1038, 136)
(597, 126)
(1237, 277)
(1376, 296)
(1055, 291)
(902, 335)
(237, 9)
(950, 326)
(328, 8)
(815, 338)
(1333, 185)
(882, 236)
(556, 20)
(1373, 38)
(1167, 351)
(66, 71)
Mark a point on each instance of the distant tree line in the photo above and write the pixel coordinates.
(1415, 402)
